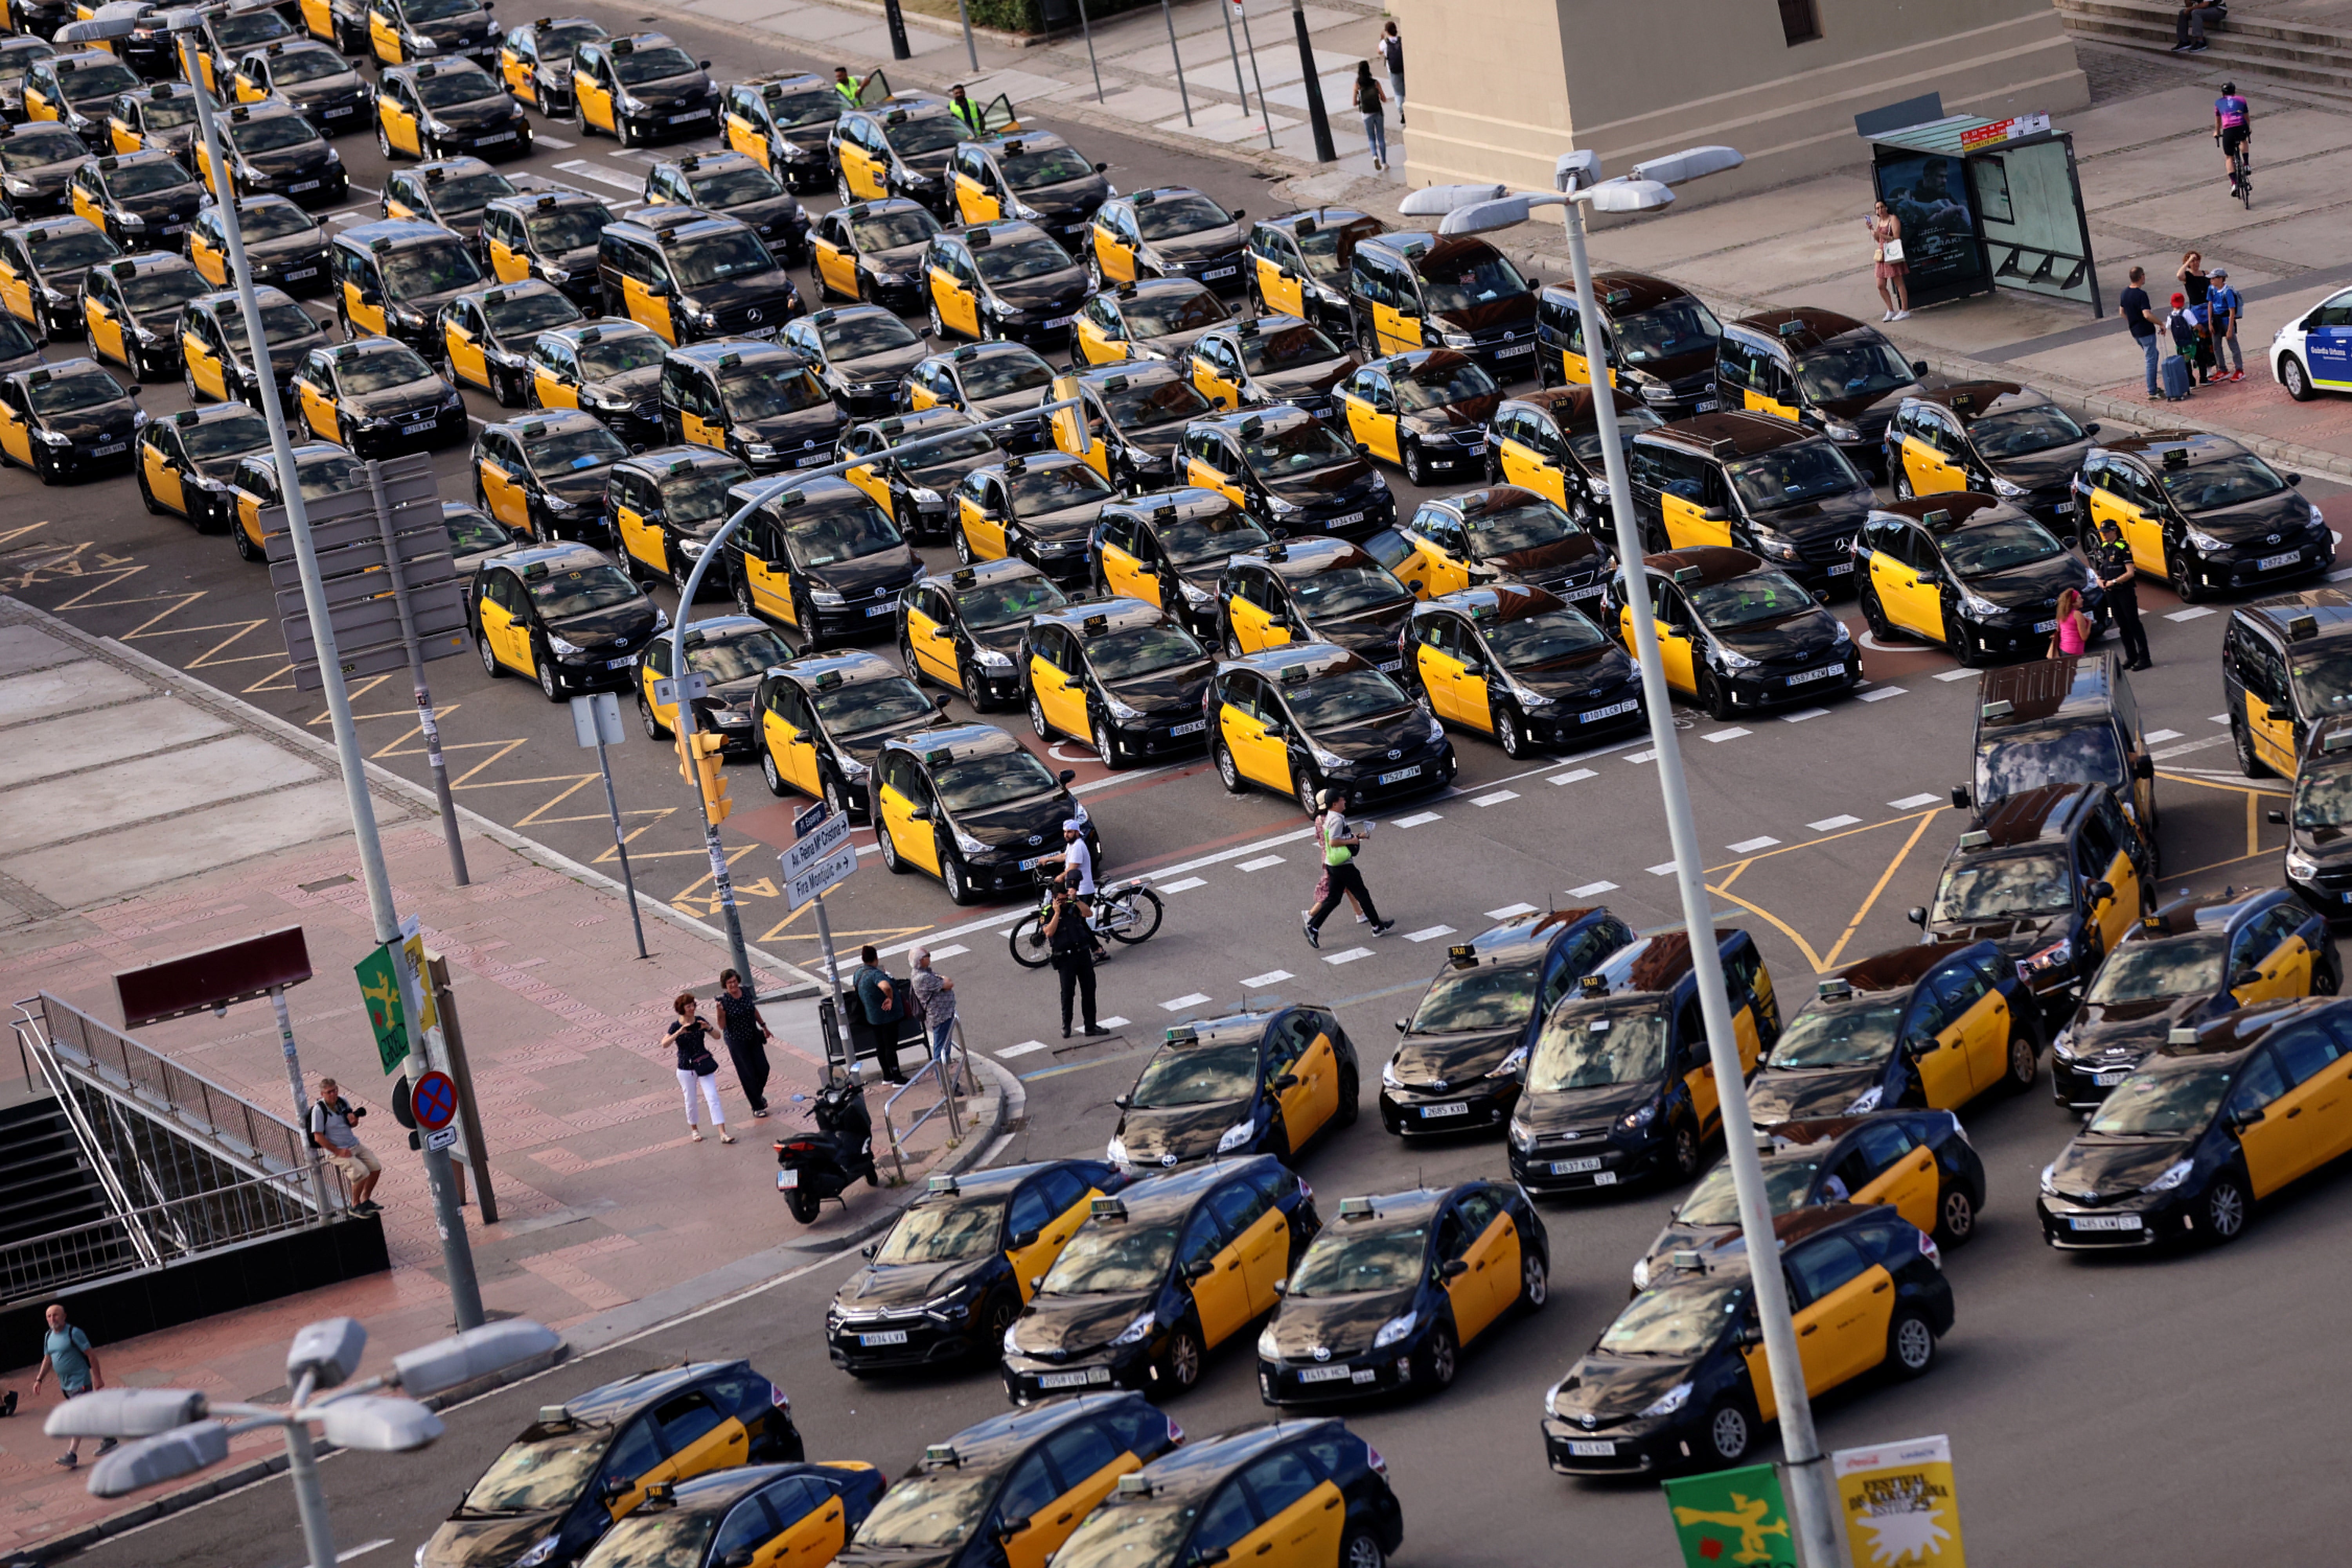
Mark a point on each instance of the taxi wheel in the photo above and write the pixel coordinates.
(2225, 1209)
(1416, 466)
(506, 391)
(2024, 1063)
(741, 587)
(1956, 1217)
(1713, 696)
(1044, 732)
(2248, 764)
(837, 795)
(993, 1327)
(657, 730)
(1349, 1086)
(1535, 1282)
(547, 686)
(1684, 1151)
(188, 379)
(246, 550)
(1873, 612)
(1308, 786)
(680, 569)
(768, 773)
(2297, 380)
(1094, 275)
(1730, 1433)
(1902, 485)
(939, 324)
(1227, 774)
(976, 694)
(382, 143)
(1106, 748)
(1910, 1344)
(147, 496)
(1360, 1550)
(2183, 581)
(1508, 734)
(1179, 1366)
(890, 861)
(1440, 1358)
(1493, 466)
(490, 665)
(958, 879)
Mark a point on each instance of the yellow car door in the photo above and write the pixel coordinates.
(1265, 1247)
(105, 328)
(1032, 1262)
(121, 136)
(1113, 256)
(549, 389)
(2115, 915)
(934, 649)
(17, 293)
(319, 20)
(1940, 1045)
(363, 316)
(1926, 467)
(508, 264)
(1255, 626)
(210, 259)
(1910, 1186)
(15, 433)
(1491, 1282)
(1395, 332)
(911, 840)
(495, 621)
(1197, 473)
(467, 357)
(1061, 696)
(697, 431)
(1367, 424)
(722, 1448)
(748, 138)
(383, 36)
(1219, 380)
(836, 267)
(204, 365)
(641, 540)
(1256, 756)
(1986, 1027)
(1687, 525)
(1125, 575)
(247, 89)
(1524, 466)
(1094, 342)
(85, 206)
(317, 405)
(975, 201)
(642, 304)
(1440, 569)
(770, 585)
(1917, 604)
(1309, 1105)
(162, 479)
(1673, 642)
(503, 493)
(2283, 972)
(982, 532)
(1440, 671)
(1069, 431)
(37, 106)
(595, 102)
(1280, 288)
(958, 304)
(1306, 1532)
(2146, 538)
(399, 125)
(812, 1540)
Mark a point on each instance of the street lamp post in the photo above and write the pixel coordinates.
(1476, 209)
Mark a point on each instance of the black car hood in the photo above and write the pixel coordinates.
(582, 486)
(2284, 515)
(176, 205)
(287, 162)
(1032, 826)
(1793, 1094)
(1321, 486)
(2037, 583)
(1799, 636)
(2114, 1167)
(480, 114)
(904, 1284)
(637, 385)
(1404, 733)
(1566, 1108)
(287, 249)
(1509, 312)
(887, 365)
(1559, 558)
(1174, 346)
(471, 29)
(323, 89)
(1875, 409)
(2138, 1025)
(1569, 680)
(583, 263)
(1166, 690)
(1004, 639)
(818, 426)
(757, 289)
(1679, 1236)
(1680, 367)
(488, 1542)
(1184, 1132)
(402, 399)
(1343, 1325)
(1191, 249)
(862, 574)
(1469, 413)
(1819, 518)
(1453, 1059)
(1068, 202)
(1056, 293)
(1284, 384)
(768, 215)
(897, 1556)
(107, 422)
(899, 259)
(1159, 443)
(997, 407)
(1061, 524)
(1371, 633)
(670, 91)
(48, 178)
(1614, 1387)
(623, 626)
(2043, 470)
(1075, 1324)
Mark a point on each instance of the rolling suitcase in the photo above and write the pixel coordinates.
(2177, 377)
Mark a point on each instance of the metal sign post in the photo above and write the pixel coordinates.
(423, 1033)
(1265, 111)
(398, 570)
(596, 721)
(821, 858)
(1183, 95)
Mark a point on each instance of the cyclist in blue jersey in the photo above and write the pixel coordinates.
(2234, 127)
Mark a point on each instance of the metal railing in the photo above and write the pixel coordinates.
(954, 1083)
(180, 1228)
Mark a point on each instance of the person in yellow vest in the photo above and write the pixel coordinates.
(964, 108)
(847, 85)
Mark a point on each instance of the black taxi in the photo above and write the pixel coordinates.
(41, 267)
(1619, 1085)
(959, 1263)
(377, 397)
(734, 655)
(564, 615)
(1737, 632)
(1041, 509)
(2287, 667)
(550, 236)
(823, 721)
(1158, 318)
(964, 630)
(68, 420)
(285, 247)
(1499, 533)
(2202, 512)
(590, 1460)
(1030, 174)
(1169, 231)
(216, 357)
(873, 252)
(131, 310)
(666, 503)
(141, 201)
(818, 557)
(757, 402)
(1550, 442)
(1409, 291)
(1120, 674)
(1974, 574)
(1521, 664)
(543, 475)
(860, 354)
(971, 805)
(1679, 1380)
(1169, 548)
(774, 1513)
(2317, 864)
(273, 150)
(1308, 715)
(781, 118)
(1274, 359)
(185, 460)
(1313, 591)
(535, 59)
(896, 149)
(1288, 469)
(1388, 1297)
(37, 160)
(913, 487)
(485, 335)
(1658, 342)
(1936, 1023)
(452, 193)
(640, 89)
(393, 277)
(1461, 1051)
(737, 187)
(162, 114)
(2001, 439)
(1159, 1274)
(1425, 411)
(1007, 281)
(609, 367)
(689, 275)
(73, 89)
(1134, 414)
(2192, 960)
(987, 381)
(315, 80)
(1755, 484)
(1821, 370)
(1298, 263)
(398, 31)
(2071, 720)
(323, 469)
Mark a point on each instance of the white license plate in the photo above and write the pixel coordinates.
(1839, 568)
(1575, 1167)
(1507, 350)
(873, 610)
(2268, 562)
(418, 429)
(1323, 1374)
(1822, 674)
(1052, 322)
(1431, 1112)
(1351, 517)
(682, 119)
(492, 139)
(292, 273)
(1391, 667)
(1612, 712)
(1590, 591)
(2064, 509)
(108, 449)
(2049, 625)
(787, 1180)
(886, 1337)
(1704, 405)
(1213, 273)
(2103, 1221)
(810, 459)
(1604, 1178)
(339, 113)
(1073, 1379)
(1474, 449)
(1593, 1450)
(1032, 865)
(1194, 727)
(304, 185)
(2109, 1079)
(1400, 774)
(619, 663)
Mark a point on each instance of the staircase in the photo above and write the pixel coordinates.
(47, 1186)
(2316, 59)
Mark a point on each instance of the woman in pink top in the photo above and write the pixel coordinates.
(2074, 634)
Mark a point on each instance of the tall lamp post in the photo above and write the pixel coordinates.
(1480, 210)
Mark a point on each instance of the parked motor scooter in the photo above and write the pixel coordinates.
(821, 1164)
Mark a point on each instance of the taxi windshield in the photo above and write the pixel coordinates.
(323, 476)
(955, 1231)
(1053, 490)
(576, 592)
(732, 187)
(2323, 798)
(764, 391)
(1004, 374)
(978, 784)
(1490, 996)
(384, 365)
(273, 133)
(1991, 547)
(641, 66)
(1437, 386)
(583, 445)
(1678, 327)
(146, 179)
(164, 113)
(1189, 541)
(1102, 1260)
(1685, 1319)
(1838, 1036)
(434, 10)
(468, 191)
(38, 146)
(1146, 650)
(2163, 1099)
(2145, 971)
(66, 392)
(2021, 432)
(1747, 601)
(529, 312)
(1630, 422)
(1584, 1050)
(1150, 408)
(1465, 286)
(656, 1539)
(739, 657)
(470, 533)
(273, 220)
(1805, 471)
(1029, 255)
(848, 533)
(1197, 1074)
(858, 336)
(282, 322)
(436, 267)
(700, 498)
(561, 229)
(2015, 886)
(892, 703)
(1535, 642)
(216, 440)
(808, 106)
(2322, 679)
(243, 31)
(1320, 249)
(616, 356)
(1263, 353)
(1340, 1263)
(891, 230)
(161, 288)
(15, 342)
(1046, 166)
(714, 258)
(1531, 525)
(536, 1474)
(1716, 1202)
(1008, 601)
(307, 65)
(21, 57)
(928, 134)
(1862, 365)
(1172, 217)
(85, 82)
(1299, 448)
(2224, 482)
(1344, 697)
(957, 450)
(1127, 1536)
(2012, 763)
(65, 249)
(938, 1508)
(1162, 315)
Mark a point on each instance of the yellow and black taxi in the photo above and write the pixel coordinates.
(735, 186)
(1040, 508)
(160, 116)
(2001, 439)
(1298, 264)
(152, 52)
(1388, 1297)
(1296, 719)
(1934, 1025)
(1679, 1381)
(874, 251)
(18, 50)
(2287, 667)
(131, 310)
(750, 1514)
(2202, 512)
(913, 487)
(1276, 359)
(609, 368)
(392, 278)
(1172, 1267)
(1619, 1085)
(323, 469)
(971, 805)
(1659, 341)
(487, 335)
(36, 162)
(1973, 574)
(550, 235)
(142, 201)
(1425, 411)
(41, 269)
(1135, 415)
(2220, 1115)
(987, 381)
(964, 630)
(666, 503)
(563, 615)
(758, 401)
(68, 420)
(734, 654)
(313, 78)
(640, 89)
(2057, 874)
(1030, 174)
(226, 35)
(1288, 469)
(896, 149)
(859, 354)
(1737, 632)
(216, 357)
(1170, 231)
(535, 60)
(1918, 1163)
(2317, 864)
(449, 191)
(273, 150)
(74, 90)
(1313, 591)
(401, 32)
(1120, 674)
(781, 118)
(959, 1264)
(824, 720)
(1501, 533)
(691, 275)
(1522, 664)
(1169, 548)
(2061, 720)
(591, 1459)
(1008, 1492)
(1410, 291)
(184, 461)
(1754, 483)
(544, 474)
(1821, 370)
(1005, 280)
(818, 557)
(1159, 318)
(2192, 961)
(474, 537)
(378, 397)
(285, 247)
(447, 108)
(1460, 1053)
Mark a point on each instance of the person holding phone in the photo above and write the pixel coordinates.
(1072, 943)
(1887, 262)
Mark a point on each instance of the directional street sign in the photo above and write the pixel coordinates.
(816, 844)
(441, 1138)
(822, 877)
(805, 820)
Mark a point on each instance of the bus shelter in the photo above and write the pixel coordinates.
(1986, 204)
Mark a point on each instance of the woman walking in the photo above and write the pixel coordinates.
(1340, 840)
(697, 1067)
(747, 1039)
(2073, 637)
(1887, 262)
(1370, 99)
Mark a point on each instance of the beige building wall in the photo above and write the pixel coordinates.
(1496, 89)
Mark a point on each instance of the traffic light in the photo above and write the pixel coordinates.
(712, 768)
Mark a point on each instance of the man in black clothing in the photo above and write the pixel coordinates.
(2111, 562)
(966, 111)
(2134, 308)
(1072, 945)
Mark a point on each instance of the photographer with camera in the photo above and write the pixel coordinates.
(332, 1116)
(1071, 940)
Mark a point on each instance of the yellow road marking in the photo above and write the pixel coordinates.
(1823, 962)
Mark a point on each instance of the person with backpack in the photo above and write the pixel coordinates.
(2222, 309)
(1393, 56)
(65, 1350)
(875, 1014)
(1370, 100)
(2180, 365)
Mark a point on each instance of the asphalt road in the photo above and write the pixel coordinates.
(2150, 1411)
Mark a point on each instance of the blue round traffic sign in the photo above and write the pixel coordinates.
(435, 1101)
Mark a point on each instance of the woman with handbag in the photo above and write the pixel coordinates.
(697, 1067)
(1341, 839)
(1886, 259)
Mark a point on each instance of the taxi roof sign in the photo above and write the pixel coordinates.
(1685, 1258)
(1975, 839)
(2337, 741)
(1356, 1208)
(2303, 627)
(1685, 574)
(1593, 986)
(941, 1454)
(1833, 989)
(1107, 1209)
(1183, 1035)
(948, 1185)
(1463, 955)
(2180, 1034)
(1998, 710)
(1135, 1483)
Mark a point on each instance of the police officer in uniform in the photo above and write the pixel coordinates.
(2111, 562)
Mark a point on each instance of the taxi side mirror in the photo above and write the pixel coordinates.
(2247, 976)
(2142, 767)
(869, 1250)
(134, 389)
(1284, 1081)
(1362, 450)
(2091, 429)
(1452, 1268)
(940, 704)
(1122, 1101)
(1007, 1531)
(1402, 1025)
(2100, 891)
(2241, 1120)
(1200, 1269)
(1959, 797)
(1282, 1286)
(371, 296)
(611, 1488)
(741, 1557)
(2278, 713)
(2295, 478)
(1102, 168)
(2276, 818)
(1918, 915)
(1918, 368)
(656, 291)
(1066, 774)
(1211, 1554)
(919, 814)
(1025, 1239)
(1751, 1335)
(1716, 514)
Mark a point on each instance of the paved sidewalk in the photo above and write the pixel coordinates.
(140, 819)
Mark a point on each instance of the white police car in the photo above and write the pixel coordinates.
(2313, 351)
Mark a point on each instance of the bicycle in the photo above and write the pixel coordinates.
(2242, 175)
(1128, 913)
